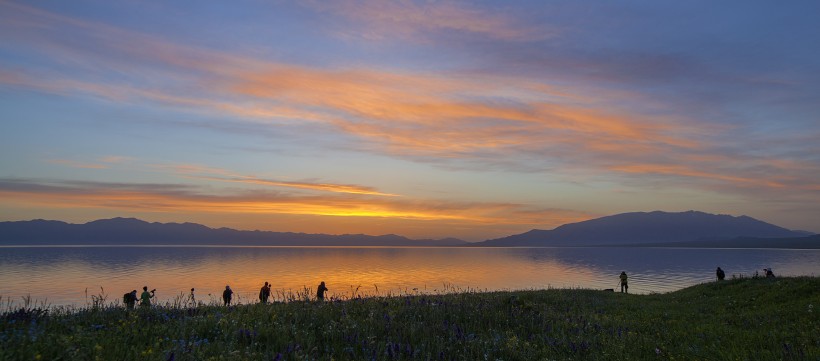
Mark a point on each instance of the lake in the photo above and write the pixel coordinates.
(69, 276)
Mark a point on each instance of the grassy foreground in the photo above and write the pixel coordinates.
(744, 319)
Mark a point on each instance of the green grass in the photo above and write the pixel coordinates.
(744, 319)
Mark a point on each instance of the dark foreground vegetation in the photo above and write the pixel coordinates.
(743, 319)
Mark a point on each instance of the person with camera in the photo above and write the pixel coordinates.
(623, 283)
(145, 297)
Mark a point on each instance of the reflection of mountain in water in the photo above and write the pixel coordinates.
(655, 228)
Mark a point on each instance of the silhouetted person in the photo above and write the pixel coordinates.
(769, 273)
(264, 293)
(130, 299)
(624, 284)
(191, 298)
(227, 295)
(320, 292)
(145, 297)
(720, 274)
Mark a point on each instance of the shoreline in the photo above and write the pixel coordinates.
(733, 319)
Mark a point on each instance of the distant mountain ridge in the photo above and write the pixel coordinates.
(132, 231)
(653, 228)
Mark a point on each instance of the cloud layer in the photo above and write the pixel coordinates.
(503, 90)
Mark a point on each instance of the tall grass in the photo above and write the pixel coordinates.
(741, 319)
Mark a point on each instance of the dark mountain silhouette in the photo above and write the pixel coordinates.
(131, 231)
(685, 229)
(642, 228)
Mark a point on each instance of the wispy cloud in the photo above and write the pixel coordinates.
(116, 159)
(197, 171)
(420, 20)
(99, 163)
(328, 187)
(428, 114)
(223, 175)
(76, 164)
(482, 117)
(680, 170)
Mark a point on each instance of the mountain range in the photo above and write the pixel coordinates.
(131, 231)
(656, 229)
(652, 229)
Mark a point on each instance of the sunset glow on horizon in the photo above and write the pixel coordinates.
(426, 119)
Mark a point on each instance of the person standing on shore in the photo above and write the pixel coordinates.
(720, 274)
(624, 285)
(320, 292)
(227, 295)
(264, 293)
(145, 297)
(130, 299)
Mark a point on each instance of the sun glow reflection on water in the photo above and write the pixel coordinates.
(61, 275)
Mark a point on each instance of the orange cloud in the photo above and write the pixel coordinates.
(448, 116)
(328, 187)
(451, 113)
(207, 173)
(176, 198)
(429, 116)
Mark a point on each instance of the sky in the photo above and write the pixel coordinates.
(427, 119)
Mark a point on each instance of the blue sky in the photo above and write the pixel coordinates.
(420, 118)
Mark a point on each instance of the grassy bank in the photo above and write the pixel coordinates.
(745, 319)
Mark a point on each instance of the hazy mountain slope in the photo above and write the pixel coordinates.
(647, 227)
(130, 231)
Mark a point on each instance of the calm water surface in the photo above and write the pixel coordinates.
(61, 275)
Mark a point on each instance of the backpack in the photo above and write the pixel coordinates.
(126, 297)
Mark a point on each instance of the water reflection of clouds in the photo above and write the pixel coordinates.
(61, 275)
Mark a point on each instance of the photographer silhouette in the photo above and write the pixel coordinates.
(145, 297)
